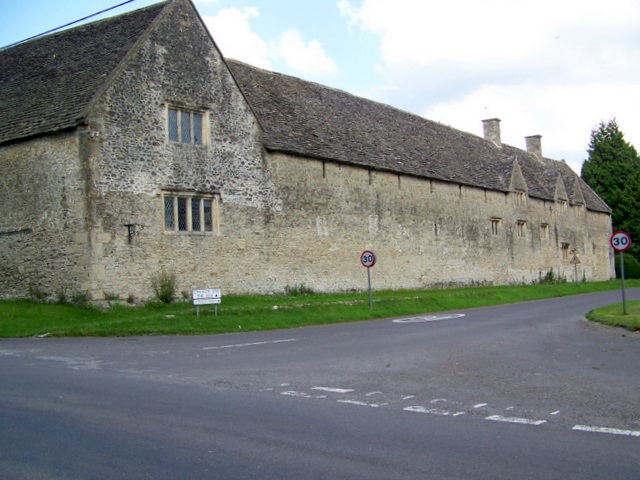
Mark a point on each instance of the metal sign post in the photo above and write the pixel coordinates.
(368, 260)
(621, 241)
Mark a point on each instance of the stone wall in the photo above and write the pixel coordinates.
(43, 240)
(134, 163)
(425, 233)
(89, 212)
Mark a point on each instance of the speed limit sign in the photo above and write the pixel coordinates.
(620, 241)
(368, 259)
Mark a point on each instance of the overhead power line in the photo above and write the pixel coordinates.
(66, 25)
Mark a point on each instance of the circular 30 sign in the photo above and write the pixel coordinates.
(620, 241)
(368, 259)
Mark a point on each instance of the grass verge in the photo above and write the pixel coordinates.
(613, 315)
(22, 318)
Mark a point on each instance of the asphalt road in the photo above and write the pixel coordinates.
(527, 391)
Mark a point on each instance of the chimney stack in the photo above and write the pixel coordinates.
(534, 145)
(492, 131)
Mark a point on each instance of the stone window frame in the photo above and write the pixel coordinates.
(496, 226)
(519, 198)
(191, 213)
(544, 231)
(566, 250)
(521, 228)
(198, 135)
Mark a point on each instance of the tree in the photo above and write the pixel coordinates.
(613, 171)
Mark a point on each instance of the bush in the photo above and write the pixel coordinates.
(164, 286)
(552, 279)
(81, 299)
(631, 266)
(298, 290)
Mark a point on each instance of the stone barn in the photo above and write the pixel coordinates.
(130, 146)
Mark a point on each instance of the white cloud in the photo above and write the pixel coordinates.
(563, 114)
(494, 31)
(232, 32)
(231, 29)
(548, 67)
(307, 59)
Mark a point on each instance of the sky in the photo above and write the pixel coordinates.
(555, 68)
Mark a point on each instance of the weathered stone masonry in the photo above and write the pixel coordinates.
(86, 197)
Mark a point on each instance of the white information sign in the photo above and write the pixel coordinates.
(207, 296)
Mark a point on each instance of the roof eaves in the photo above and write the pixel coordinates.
(125, 59)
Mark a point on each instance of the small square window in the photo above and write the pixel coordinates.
(565, 250)
(519, 199)
(495, 226)
(184, 126)
(190, 213)
(544, 231)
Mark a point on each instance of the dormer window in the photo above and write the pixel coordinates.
(185, 126)
(519, 199)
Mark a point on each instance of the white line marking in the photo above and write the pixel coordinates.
(239, 345)
(360, 404)
(438, 400)
(408, 397)
(524, 421)
(613, 431)
(555, 413)
(373, 393)
(480, 405)
(433, 411)
(428, 318)
(293, 393)
(333, 390)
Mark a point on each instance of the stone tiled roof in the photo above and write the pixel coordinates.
(47, 83)
(315, 121)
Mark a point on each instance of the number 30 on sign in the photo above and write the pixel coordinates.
(620, 241)
(368, 259)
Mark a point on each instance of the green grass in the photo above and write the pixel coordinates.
(22, 318)
(614, 316)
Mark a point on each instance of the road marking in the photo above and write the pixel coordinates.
(555, 413)
(373, 393)
(293, 393)
(360, 404)
(428, 318)
(333, 390)
(408, 397)
(523, 421)
(432, 411)
(240, 345)
(480, 405)
(613, 431)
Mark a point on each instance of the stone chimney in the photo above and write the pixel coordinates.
(492, 131)
(534, 145)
